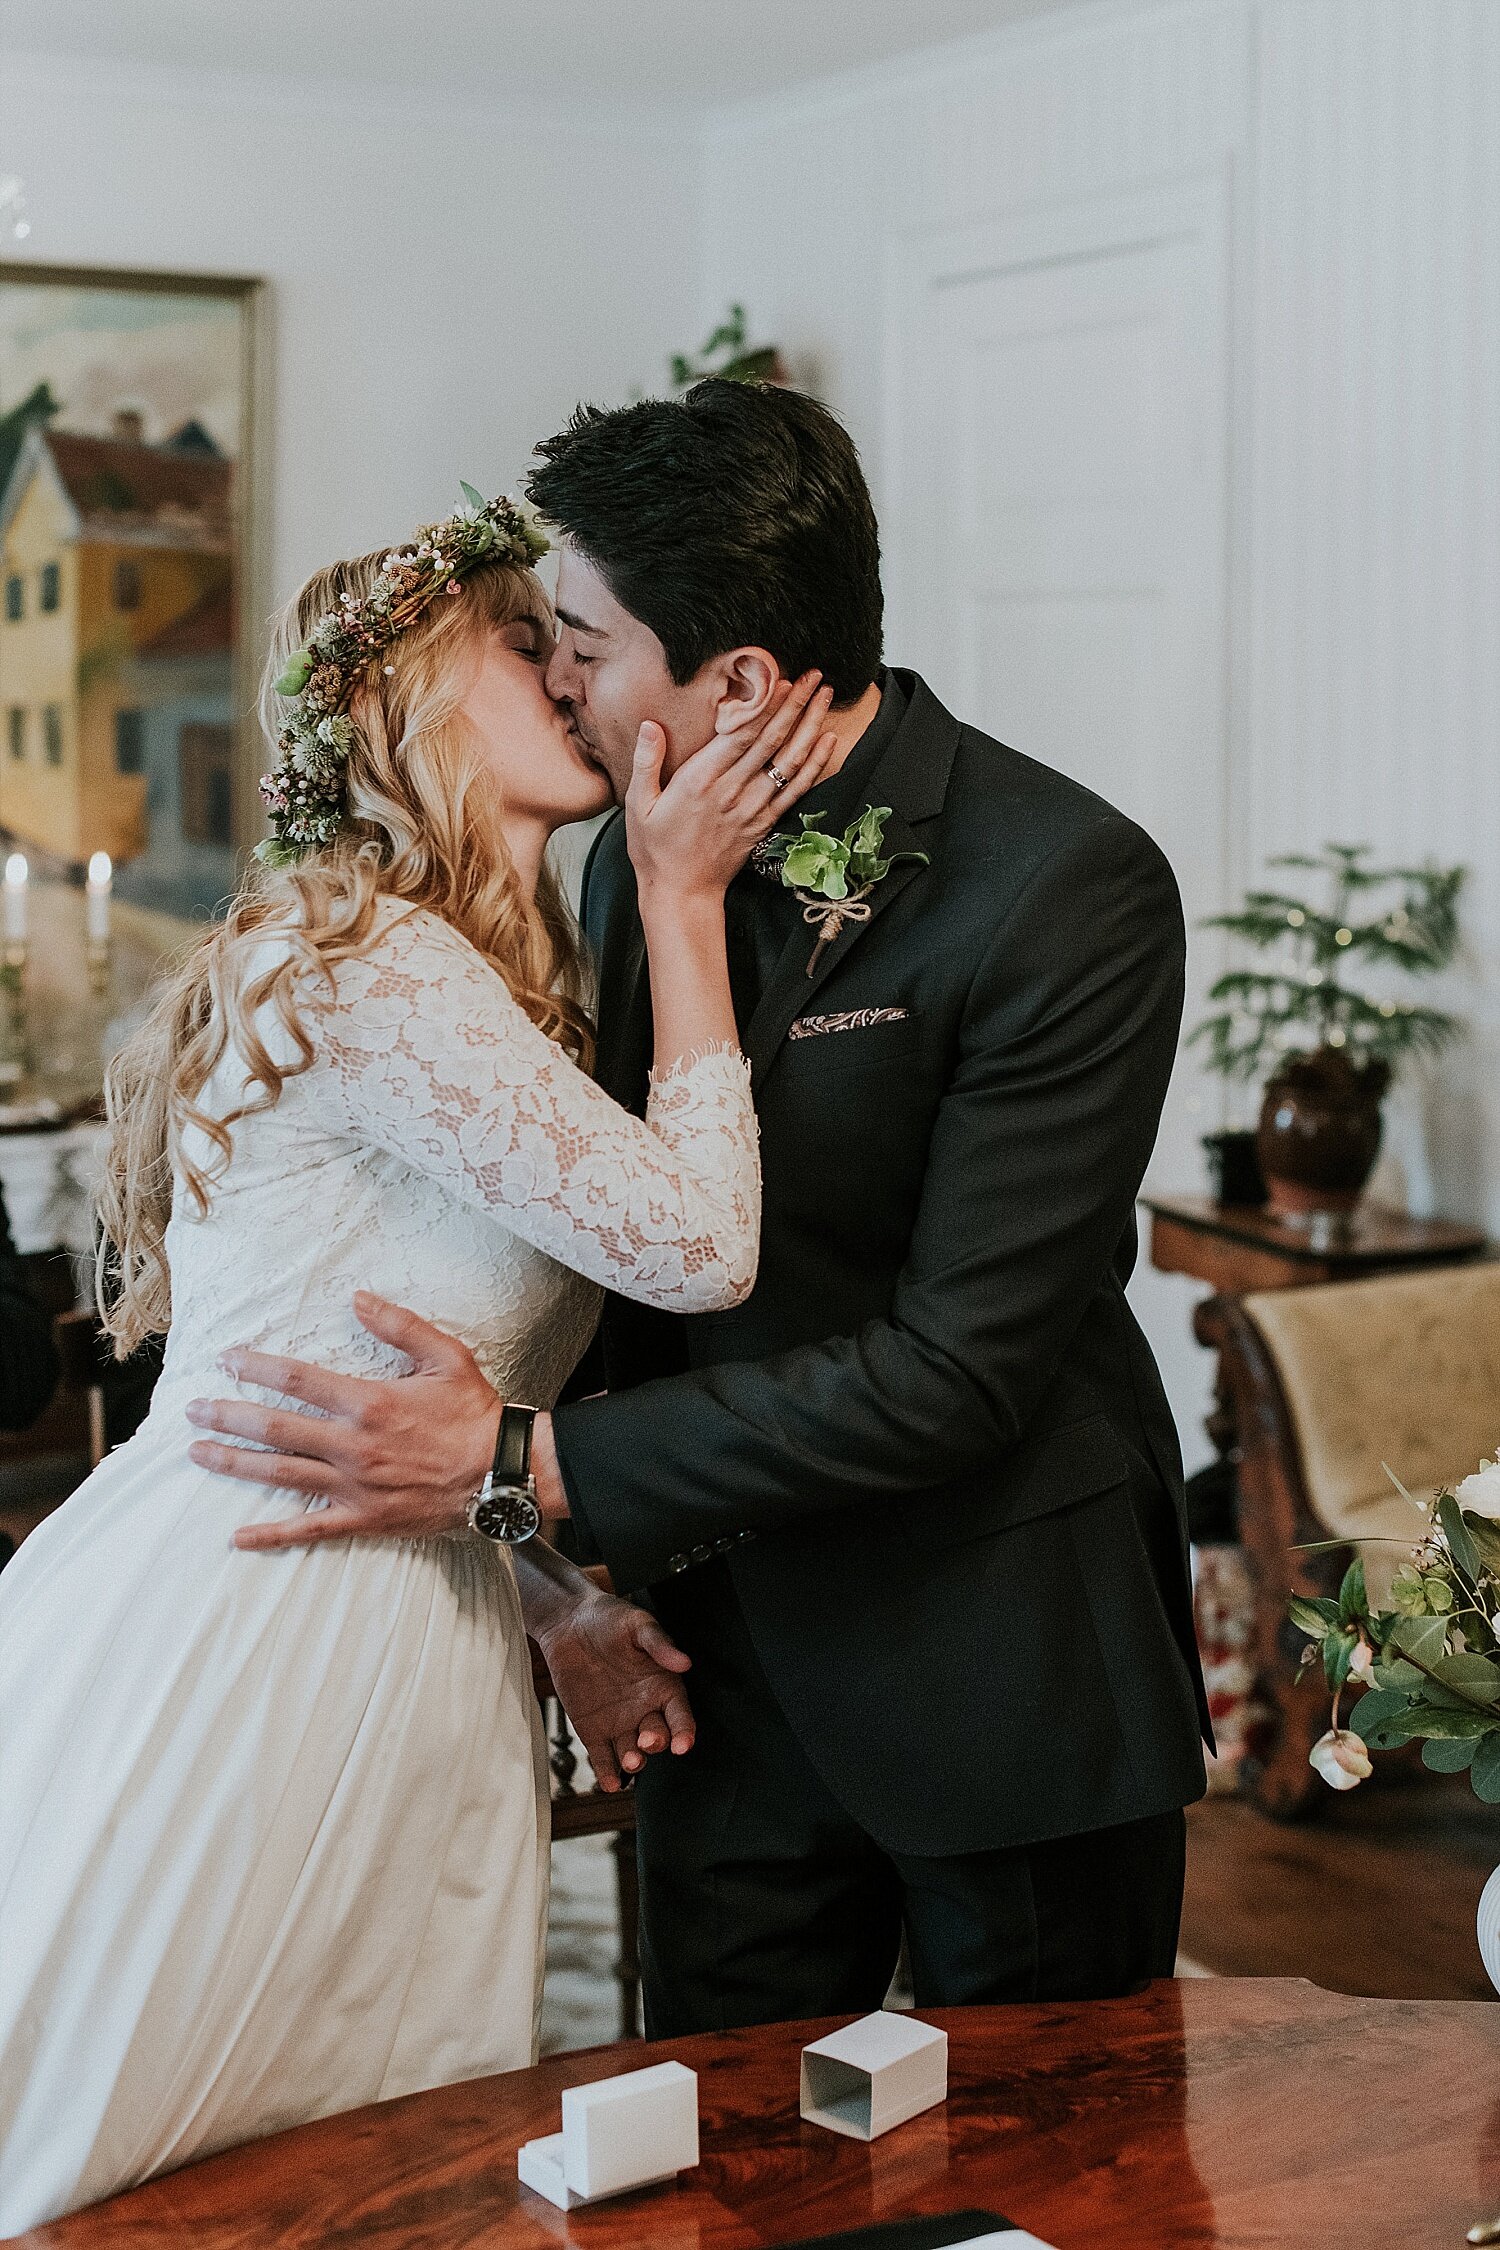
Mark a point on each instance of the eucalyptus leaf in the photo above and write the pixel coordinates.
(1452, 1756)
(1472, 1676)
(1424, 1720)
(1375, 1708)
(475, 499)
(1397, 1674)
(1423, 1638)
(1461, 1543)
(1485, 1771)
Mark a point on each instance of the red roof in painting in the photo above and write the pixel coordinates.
(119, 486)
(207, 629)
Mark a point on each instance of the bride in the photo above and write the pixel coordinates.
(273, 1831)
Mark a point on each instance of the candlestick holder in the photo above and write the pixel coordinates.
(15, 1035)
(101, 966)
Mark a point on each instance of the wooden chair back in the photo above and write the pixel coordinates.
(1327, 1383)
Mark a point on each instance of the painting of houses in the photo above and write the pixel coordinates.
(124, 519)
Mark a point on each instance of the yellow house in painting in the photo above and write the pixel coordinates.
(105, 544)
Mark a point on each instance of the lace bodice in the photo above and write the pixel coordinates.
(442, 1151)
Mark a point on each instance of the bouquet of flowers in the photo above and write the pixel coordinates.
(1429, 1665)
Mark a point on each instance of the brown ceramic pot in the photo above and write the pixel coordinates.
(1319, 1132)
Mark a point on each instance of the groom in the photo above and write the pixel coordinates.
(915, 1508)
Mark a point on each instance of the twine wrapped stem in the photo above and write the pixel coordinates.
(828, 916)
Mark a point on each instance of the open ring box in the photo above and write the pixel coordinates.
(874, 2074)
(634, 2131)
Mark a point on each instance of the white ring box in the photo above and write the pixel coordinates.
(874, 2074)
(635, 2131)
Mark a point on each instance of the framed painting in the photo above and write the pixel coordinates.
(130, 549)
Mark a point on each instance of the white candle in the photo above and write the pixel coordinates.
(101, 877)
(16, 875)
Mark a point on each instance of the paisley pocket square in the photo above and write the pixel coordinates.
(853, 1019)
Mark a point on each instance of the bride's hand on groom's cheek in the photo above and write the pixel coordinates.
(693, 834)
(395, 1459)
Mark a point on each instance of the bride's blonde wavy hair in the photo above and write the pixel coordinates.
(423, 826)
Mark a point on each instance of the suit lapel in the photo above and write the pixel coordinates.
(613, 926)
(912, 778)
(623, 1065)
(789, 989)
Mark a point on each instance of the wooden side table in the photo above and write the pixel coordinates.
(1237, 1250)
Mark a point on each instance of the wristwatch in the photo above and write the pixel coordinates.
(504, 1508)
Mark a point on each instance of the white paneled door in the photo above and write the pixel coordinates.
(1058, 446)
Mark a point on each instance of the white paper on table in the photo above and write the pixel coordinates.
(1009, 2238)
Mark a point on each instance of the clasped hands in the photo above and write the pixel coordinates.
(400, 1458)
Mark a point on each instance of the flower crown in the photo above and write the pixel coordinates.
(305, 794)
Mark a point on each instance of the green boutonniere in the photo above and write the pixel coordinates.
(832, 876)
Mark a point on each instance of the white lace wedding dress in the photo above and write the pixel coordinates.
(272, 1833)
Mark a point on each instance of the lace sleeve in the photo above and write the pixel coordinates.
(424, 1052)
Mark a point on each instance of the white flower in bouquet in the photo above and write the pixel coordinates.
(1341, 1758)
(1425, 1667)
(1480, 1493)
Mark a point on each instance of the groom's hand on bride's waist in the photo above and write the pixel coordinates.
(397, 1458)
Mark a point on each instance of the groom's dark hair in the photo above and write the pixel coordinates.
(735, 516)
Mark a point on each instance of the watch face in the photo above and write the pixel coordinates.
(508, 1516)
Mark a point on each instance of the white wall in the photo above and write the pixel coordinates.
(1082, 106)
(805, 195)
(447, 280)
(1357, 138)
(1372, 690)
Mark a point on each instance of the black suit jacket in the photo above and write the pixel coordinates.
(933, 1445)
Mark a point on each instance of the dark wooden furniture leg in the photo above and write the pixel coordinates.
(1275, 1520)
(591, 1813)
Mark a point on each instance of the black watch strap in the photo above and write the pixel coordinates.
(512, 1464)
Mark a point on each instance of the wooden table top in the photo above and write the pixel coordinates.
(1244, 2113)
(1371, 1236)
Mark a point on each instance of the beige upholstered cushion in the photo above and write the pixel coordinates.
(1404, 1369)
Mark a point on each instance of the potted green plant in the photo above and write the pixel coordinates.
(1325, 1051)
(731, 357)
